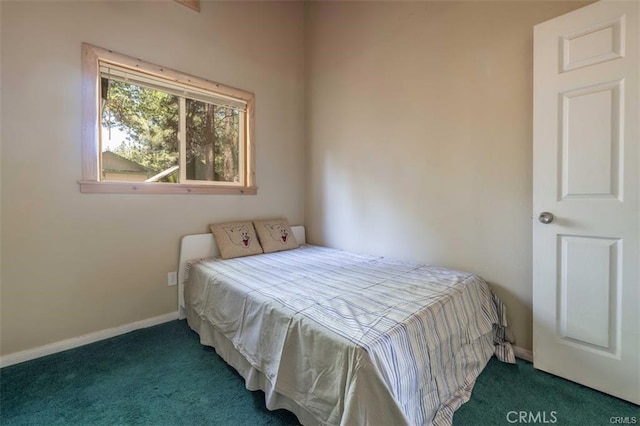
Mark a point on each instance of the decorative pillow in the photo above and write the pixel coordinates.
(275, 235)
(236, 239)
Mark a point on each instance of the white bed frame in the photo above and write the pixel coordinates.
(200, 246)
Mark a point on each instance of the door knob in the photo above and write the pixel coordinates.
(545, 217)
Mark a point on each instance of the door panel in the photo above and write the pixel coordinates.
(586, 159)
(594, 45)
(582, 260)
(590, 140)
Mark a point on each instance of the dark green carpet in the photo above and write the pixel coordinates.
(503, 389)
(163, 376)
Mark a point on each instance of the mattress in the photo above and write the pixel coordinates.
(341, 338)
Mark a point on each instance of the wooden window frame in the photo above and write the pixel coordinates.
(191, 4)
(90, 137)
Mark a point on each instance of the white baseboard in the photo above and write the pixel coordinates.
(521, 353)
(75, 342)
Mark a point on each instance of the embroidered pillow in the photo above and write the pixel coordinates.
(236, 239)
(275, 235)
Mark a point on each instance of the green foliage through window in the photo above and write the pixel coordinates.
(150, 120)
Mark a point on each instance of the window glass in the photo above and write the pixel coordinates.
(139, 133)
(212, 142)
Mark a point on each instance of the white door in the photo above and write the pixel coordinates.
(586, 298)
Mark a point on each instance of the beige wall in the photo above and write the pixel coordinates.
(77, 263)
(419, 135)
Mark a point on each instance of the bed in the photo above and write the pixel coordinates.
(340, 338)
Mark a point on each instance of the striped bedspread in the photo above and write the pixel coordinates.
(410, 339)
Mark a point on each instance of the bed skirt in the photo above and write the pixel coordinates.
(256, 380)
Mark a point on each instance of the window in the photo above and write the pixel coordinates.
(149, 129)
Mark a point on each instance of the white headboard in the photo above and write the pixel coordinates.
(199, 246)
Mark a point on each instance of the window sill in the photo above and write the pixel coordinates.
(162, 188)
